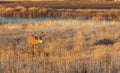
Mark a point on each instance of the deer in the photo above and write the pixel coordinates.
(33, 44)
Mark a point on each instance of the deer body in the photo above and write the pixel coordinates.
(33, 43)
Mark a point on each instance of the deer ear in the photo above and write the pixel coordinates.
(42, 35)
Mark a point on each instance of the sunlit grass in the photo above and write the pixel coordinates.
(68, 47)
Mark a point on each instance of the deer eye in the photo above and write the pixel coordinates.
(36, 37)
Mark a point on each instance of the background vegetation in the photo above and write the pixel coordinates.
(42, 12)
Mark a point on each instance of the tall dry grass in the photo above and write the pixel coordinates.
(69, 46)
(32, 12)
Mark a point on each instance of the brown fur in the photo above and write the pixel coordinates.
(33, 43)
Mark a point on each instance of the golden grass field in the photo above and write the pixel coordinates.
(69, 46)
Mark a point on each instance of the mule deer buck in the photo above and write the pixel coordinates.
(33, 43)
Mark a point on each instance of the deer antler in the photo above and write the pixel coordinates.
(42, 35)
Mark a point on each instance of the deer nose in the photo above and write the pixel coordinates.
(40, 41)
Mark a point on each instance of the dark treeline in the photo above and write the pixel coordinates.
(93, 14)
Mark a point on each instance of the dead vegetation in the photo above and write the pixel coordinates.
(32, 12)
(105, 42)
(67, 47)
(95, 10)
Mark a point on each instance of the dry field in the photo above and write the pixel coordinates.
(91, 10)
(107, 10)
(42, 12)
(69, 46)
